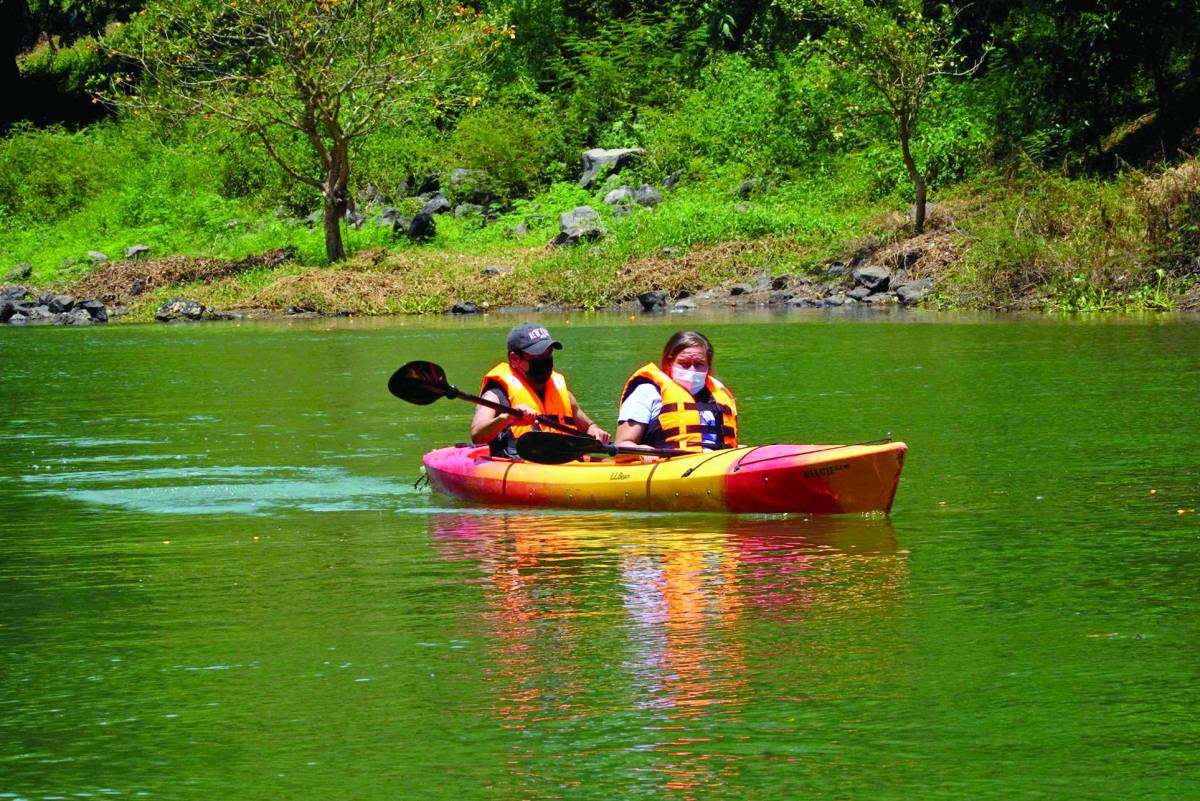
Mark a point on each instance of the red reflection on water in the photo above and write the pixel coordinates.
(688, 591)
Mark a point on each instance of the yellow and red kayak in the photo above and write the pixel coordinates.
(810, 479)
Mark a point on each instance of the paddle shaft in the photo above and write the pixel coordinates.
(549, 422)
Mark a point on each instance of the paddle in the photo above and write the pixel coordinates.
(423, 383)
(546, 447)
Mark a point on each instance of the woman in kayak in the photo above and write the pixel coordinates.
(678, 403)
(529, 383)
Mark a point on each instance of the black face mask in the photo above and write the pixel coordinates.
(540, 369)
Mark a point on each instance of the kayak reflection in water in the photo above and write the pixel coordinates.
(678, 403)
(529, 383)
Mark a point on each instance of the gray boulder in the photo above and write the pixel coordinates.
(422, 228)
(671, 181)
(518, 231)
(60, 303)
(684, 305)
(580, 224)
(20, 272)
(436, 204)
(622, 194)
(873, 277)
(914, 291)
(835, 269)
(467, 210)
(97, 256)
(95, 309)
(179, 309)
(13, 293)
(750, 186)
(17, 319)
(139, 251)
(77, 317)
(653, 300)
(471, 185)
(464, 307)
(740, 289)
(858, 293)
(646, 195)
(598, 162)
(880, 298)
(835, 300)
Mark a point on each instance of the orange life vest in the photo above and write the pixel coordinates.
(557, 402)
(680, 419)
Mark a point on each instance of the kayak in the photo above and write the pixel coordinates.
(809, 479)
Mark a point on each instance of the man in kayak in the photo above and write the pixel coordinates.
(529, 383)
(678, 403)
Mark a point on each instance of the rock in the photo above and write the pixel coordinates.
(652, 300)
(40, 315)
(95, 309)
(353, 218)
(60, 303)
(778, 298)
(598, 162)
(179, 309)
(216, 314)
(740, 289)
(669, 252)
(97, 256)
(137, 251)
(622, 194)
(400, 225)
(880, 298)
(20, 272)
(858, 293)
(684, 305)
(899, 279)
(780, 282)
(370, 194)
(77, 317)
(13, 293)
(422, 228)
(750, 186)
(835, 269)
(622, 210)
(7, 310)
(873, 277)
(466, 210)
(671, 181)
(807, 303)
(914, 291)
(314, 217)
(646, 195)
(497, 269)
(390, 213)
(137, 286)
(464, 307)
(436, 204)
(835, 300)
(518, 231)
(18, 319)
(742, 208)
(579, 224)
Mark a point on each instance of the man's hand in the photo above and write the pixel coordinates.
(524, 416)
(599, 433)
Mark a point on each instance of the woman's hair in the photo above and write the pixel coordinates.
(681, 340)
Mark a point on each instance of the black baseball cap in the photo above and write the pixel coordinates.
(531, 339)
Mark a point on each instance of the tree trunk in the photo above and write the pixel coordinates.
(337, 200)
(917, 179)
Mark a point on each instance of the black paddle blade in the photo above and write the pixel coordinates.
(419, 382)
(546, 447)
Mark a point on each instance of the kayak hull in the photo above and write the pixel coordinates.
(810, 479)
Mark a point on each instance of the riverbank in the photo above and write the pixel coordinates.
(1031, 242)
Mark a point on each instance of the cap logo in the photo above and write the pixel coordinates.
(536, 334)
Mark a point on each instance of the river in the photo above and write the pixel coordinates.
(217, 579)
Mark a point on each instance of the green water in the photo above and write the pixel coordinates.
(217, 580)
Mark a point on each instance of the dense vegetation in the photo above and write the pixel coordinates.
(1056, 138)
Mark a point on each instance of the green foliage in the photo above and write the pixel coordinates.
(511, 145)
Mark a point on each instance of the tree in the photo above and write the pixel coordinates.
(899, 52)
(323, 74)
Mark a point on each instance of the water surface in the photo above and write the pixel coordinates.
(218, 580)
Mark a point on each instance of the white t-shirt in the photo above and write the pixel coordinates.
(644, 405)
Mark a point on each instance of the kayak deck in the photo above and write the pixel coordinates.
(811, 479)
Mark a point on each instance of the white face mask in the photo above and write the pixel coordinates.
(691, 380)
